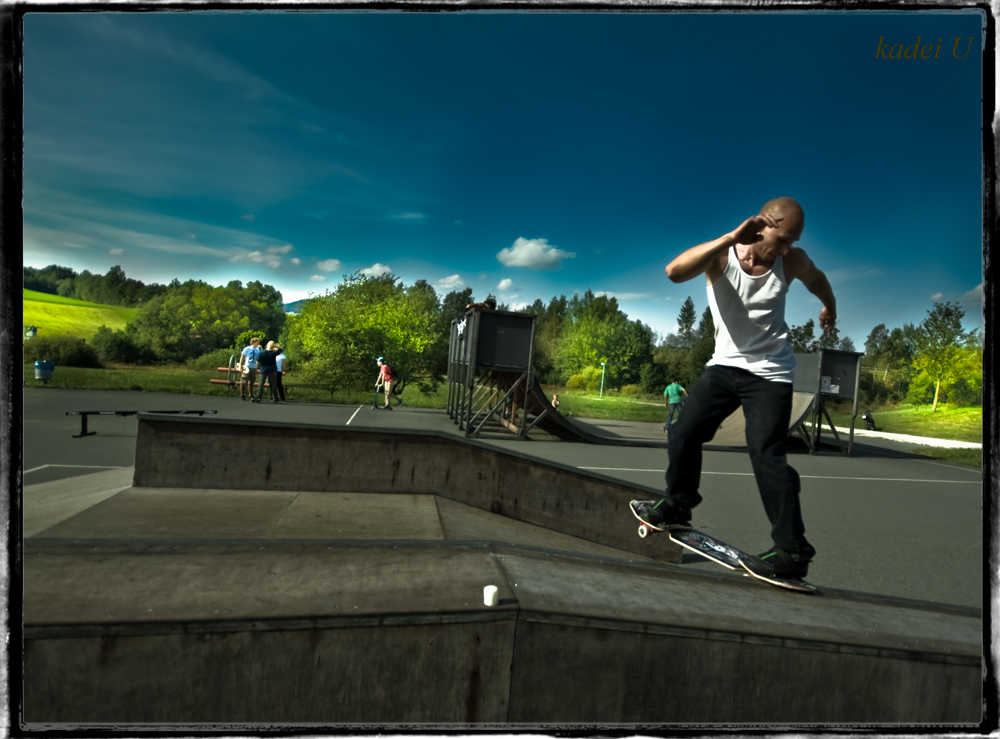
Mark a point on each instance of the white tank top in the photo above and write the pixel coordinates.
(749, 315)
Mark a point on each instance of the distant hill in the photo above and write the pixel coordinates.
(296, 307)
(57, 316)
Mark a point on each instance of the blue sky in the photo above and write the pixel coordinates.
(526, 155)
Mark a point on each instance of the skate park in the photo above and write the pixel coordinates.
(325, 564)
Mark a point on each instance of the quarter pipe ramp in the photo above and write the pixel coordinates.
(731, 434)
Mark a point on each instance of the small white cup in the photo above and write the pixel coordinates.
(490, 595)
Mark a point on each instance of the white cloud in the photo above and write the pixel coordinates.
(279, 249)
(249, 217)
(328, 265)
(409, 216)
(317, 278)
(974, 296)
(625, 296)
(937, 296)
(296, 261)
(505, 284)
(116, 252)
(533, 254)
(450, 283)
(518, 306)
(257, 257)
(376, 269)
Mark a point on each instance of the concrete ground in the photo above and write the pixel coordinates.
(883, 521)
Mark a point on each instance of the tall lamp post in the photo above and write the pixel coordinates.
(602, 379)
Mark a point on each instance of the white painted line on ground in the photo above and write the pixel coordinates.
(809, 477)
(85, 466)
(952, 467)
(353, 415)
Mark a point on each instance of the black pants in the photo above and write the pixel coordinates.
(267, 374)
(767, 407)
(281, 388)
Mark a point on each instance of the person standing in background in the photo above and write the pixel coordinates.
(672, 394)
(279, 362)
(268, 372)
(248, 367)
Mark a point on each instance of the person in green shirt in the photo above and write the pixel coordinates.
(672, 394)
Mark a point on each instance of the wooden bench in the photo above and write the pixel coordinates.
(233, 383)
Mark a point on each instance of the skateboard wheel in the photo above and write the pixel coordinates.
(643, 531)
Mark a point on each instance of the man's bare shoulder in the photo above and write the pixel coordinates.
(717, 266)
(797, 263)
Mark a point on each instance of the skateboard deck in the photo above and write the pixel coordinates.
(717, 551)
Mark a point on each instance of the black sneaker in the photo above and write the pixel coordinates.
(777, 563)
(399, 402)
(662, 514)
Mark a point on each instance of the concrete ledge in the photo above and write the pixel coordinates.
(223, 454)
(385, 632)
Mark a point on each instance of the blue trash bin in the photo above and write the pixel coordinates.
(43, 370)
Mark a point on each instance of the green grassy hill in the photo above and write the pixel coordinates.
(57, 316)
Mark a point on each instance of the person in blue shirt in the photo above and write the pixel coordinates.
(248, 367)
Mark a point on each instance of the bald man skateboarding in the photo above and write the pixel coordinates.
(749, 271)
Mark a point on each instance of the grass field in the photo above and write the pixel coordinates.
(57, 316)
(958, 424)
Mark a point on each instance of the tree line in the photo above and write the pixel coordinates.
(337, 336)
(113, 288)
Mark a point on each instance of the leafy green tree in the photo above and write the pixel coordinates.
(801, 337)
(243, 340)
(939, 346)
(550, 324)
(343, 332)
(194, 318)
(598, 331)
(652, 378)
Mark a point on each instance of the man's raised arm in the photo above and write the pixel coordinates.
(705, 257)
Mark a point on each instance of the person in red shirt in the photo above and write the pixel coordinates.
(385, 380)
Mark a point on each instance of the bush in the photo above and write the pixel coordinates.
(63, 351)
(243, 340)
(964, 393)
(213, 360)
(630, 390)
(575, 382)
(117, 347)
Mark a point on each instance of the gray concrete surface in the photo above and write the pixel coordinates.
(360, 600)
(883, 521)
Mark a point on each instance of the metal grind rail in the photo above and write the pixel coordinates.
(84, 414)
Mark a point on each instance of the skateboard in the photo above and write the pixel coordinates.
(717, 551)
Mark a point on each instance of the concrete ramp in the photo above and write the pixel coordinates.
(732, 433)
(548, 419)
